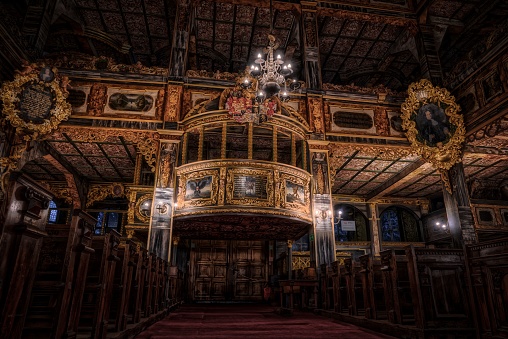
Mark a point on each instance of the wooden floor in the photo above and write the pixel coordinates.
(220, 321)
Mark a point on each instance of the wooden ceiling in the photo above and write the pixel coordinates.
(362, 42)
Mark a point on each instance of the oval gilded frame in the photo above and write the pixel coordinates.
(10, 95)
(442, 155)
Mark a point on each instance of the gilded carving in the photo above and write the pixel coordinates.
(382, 152)
(159, 104)
(172, 103)
(167, 160)
(34, 103)
(101, 192)
(378, 90)
(381, 121)
(97, 99)
(315, 106)
(299, 203)
(433, 126)
(142, 209)
(102, 63)
(239, 210)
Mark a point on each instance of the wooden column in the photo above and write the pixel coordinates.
(180, 49)
(163, 201)
(374, 222)
(311, 44)
(20, 244)
(290, 259)
(322, 202)
(458, 209)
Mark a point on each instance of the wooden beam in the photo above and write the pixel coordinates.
(399, 179)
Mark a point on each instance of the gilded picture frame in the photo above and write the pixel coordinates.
(212, 183)
(44, 80)
(433, 125)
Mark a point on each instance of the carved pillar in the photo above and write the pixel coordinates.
(311, 45)
(458, 209)
(161, 219)
(374, 222)
(20, 244)
(179, 52)
(315, 109)
(323, 225)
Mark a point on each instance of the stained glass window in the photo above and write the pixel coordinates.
(399, 224)
(98, 225)
(53, 212)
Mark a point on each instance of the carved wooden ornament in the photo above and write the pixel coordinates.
(434, 126)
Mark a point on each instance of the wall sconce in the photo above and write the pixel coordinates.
(323, 214)
(441, 225)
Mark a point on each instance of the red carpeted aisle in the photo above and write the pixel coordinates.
(220, 321)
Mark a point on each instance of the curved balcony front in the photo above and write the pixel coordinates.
(242, 199)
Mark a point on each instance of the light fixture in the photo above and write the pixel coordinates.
(271, 75)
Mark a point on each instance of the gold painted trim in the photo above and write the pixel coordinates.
(182, 189)
(240, 210)
(442, 157)
(10, 96)
(141, 200)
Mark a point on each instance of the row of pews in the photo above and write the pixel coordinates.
(423, 292)
(88, 286)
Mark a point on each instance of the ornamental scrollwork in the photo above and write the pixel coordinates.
(143, 206)
(434, 126)
(101, 192)
(35, 101)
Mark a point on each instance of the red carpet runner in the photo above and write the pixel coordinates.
(221, 321)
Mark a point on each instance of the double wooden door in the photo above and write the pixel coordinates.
(227, 270)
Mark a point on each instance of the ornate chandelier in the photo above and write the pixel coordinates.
(270, 73)
(272, 77)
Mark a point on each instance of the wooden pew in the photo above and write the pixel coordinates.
(354, 288)
(396, 286)
(326, 287)
(489, 272)
(58, 289)
(138, 292)
(343, 286)
(99, 283)
(336, 286)
(438, 281)
(49, 284)
(124, 277)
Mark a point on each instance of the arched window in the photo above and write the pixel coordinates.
(350, 224)
(399, 224)
(53, 212)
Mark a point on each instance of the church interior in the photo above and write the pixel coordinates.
(340, 158)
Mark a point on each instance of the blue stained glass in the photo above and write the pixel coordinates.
(112, 221)
(53, 213)
(390, 226)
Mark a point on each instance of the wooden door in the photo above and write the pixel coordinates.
(249, 278)
(226, 270)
